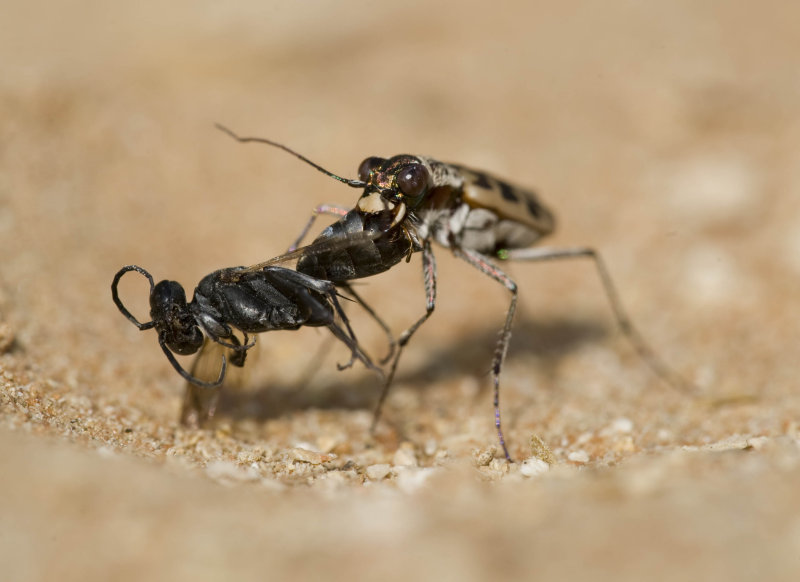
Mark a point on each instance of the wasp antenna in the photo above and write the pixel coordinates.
(352, 183)
(118, 301)
(186, 375)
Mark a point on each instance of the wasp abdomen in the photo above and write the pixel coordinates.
(354, 247)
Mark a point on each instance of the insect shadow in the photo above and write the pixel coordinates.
(546, 342)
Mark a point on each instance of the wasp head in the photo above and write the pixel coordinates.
(173, 320)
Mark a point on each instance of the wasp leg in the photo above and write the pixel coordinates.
(349, 339)
(239, 354)
(484, 265)
(330, 209)
(643, 350)
(235, 345)
(383, 325)
(429, 275)
(301, 280)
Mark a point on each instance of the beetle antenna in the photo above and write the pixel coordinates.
(352, 183)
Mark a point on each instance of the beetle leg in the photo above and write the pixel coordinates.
(330, 209)
(484, 265)
(429, 275)
(643, 350)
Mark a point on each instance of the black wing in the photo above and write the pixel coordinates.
(200, 403)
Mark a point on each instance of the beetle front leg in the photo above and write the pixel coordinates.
(328, 209)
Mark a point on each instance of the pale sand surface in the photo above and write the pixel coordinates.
(668, 137)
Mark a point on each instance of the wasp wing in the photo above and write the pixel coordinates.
(200, 403)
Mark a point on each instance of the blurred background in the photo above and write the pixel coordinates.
(665, 135)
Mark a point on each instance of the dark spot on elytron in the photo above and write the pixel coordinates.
(507, 192)
(482, 181)
(534, 208)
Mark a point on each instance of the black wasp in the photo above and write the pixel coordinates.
(243, 300)
(409, 201)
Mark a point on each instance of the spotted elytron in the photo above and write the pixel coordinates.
(409, 201)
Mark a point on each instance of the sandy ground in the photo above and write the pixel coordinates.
(665, 136)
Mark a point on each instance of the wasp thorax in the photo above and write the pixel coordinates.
(173, 319)
(374, 203)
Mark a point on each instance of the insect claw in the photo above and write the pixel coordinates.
(349, 364)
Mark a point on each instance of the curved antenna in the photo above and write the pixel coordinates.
(352, 183)
(118, 301)
(186, 375)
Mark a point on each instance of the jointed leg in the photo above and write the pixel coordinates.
(238, 348)
(349, 339)
(330, 209)
(429, 275)
(483, 264)
(377, 318)
(644, 351)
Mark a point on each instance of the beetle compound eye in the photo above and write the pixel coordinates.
(368, 166)
(413, 180)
